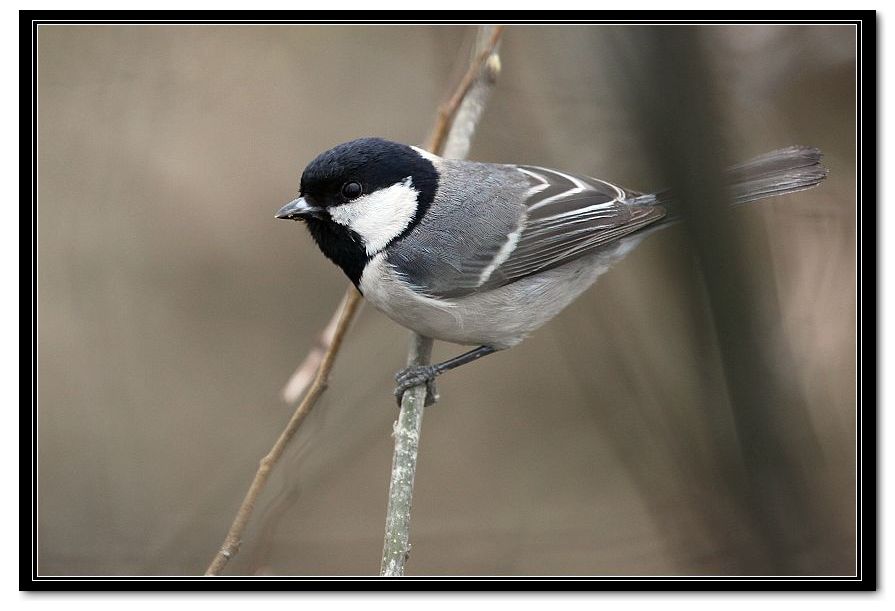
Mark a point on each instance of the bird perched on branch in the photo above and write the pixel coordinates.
(483, 254)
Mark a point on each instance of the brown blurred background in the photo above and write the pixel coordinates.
(173, 308)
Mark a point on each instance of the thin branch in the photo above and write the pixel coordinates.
(452, 135)
(396, 547)
(449, 110)
(321, 379)
(304, 374)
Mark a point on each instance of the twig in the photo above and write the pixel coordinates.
(452, 136)
(304, 373)
(234, 536)
(407, 438)
(449, 110)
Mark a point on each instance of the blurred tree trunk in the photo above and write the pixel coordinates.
(766, 471)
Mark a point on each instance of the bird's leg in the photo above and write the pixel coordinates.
(419, 374)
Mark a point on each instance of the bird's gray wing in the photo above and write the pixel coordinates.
(477, 207)
(512, 222)
(568, 217)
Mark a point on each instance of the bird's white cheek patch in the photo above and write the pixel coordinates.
(379, 217)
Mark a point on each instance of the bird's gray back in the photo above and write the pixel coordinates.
(477, 206)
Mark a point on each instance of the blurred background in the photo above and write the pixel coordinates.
(173, 309)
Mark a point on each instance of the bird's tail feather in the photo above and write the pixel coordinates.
(787, 170)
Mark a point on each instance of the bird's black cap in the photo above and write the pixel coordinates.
(374, 163)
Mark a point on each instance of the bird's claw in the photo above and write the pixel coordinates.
(414, 376)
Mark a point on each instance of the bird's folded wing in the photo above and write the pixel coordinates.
(566, 217)
(549, 218)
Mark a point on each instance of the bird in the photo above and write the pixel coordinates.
(483, 254)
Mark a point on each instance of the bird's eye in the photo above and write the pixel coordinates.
(352, 190)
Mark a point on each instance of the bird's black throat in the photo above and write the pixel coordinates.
(341, 246)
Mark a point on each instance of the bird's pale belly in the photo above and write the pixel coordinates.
(499, 317)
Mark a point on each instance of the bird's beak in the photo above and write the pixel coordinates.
(298, 209)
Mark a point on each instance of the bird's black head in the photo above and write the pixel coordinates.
(371, 163)
(361, 196)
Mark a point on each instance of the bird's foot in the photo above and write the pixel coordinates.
(414, 376)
